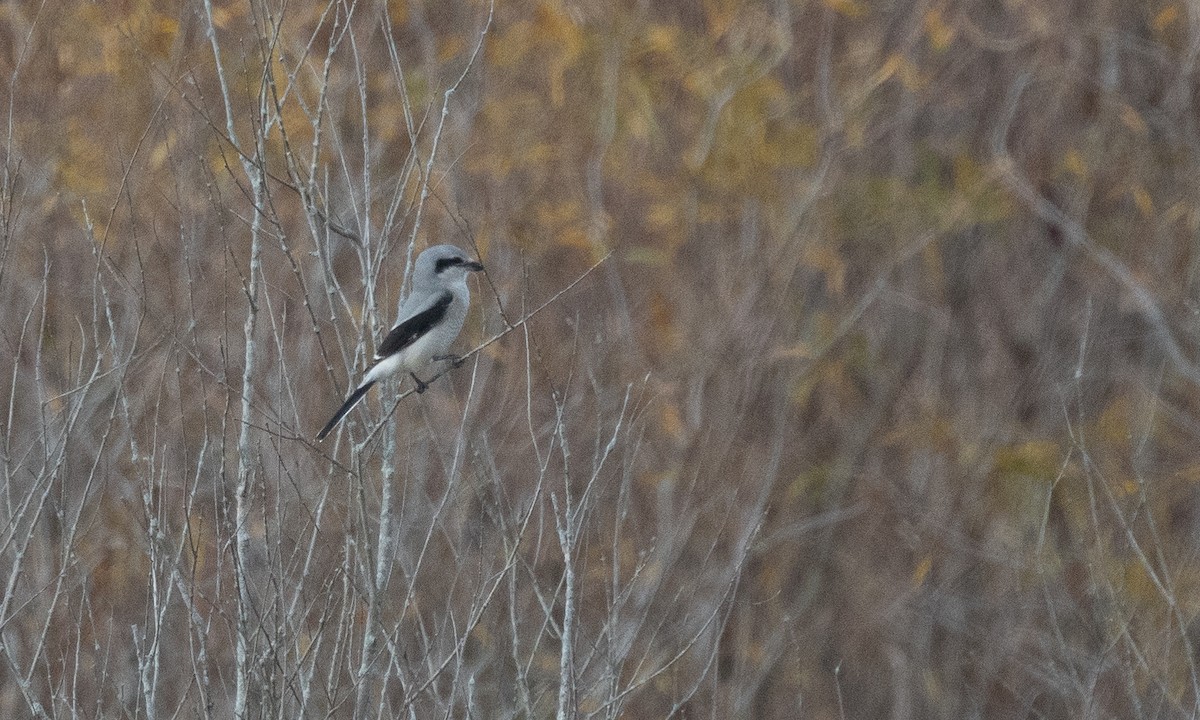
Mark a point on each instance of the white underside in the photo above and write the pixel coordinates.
(416, 357)
(413, 358)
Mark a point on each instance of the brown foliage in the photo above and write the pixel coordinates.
(881, 406)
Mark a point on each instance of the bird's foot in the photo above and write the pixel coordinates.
(455, 360)
(422, 386)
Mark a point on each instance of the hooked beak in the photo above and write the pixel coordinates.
(473, 266)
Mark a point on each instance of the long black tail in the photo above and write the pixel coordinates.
(345, 408)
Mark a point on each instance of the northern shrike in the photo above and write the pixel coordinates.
(429, 320)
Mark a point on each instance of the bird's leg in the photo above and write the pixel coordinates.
(455, 360)
(422, 386)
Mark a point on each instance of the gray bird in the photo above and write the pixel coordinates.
(430, 319)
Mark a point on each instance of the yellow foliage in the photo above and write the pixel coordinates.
(652, 481)
(1142, 200)
(968, 173)
(921, 571)
(1074, 163)
(1036, 458)
(649, 256)
(160, 33)
(538, 154)
(553, 27)
(1113, 424)
(560, 212)
(672, 421)
(835, 380)
(397, 12)
(932, 431)
(710, 212)
(482, 634)
(720, 14)
(702, 82)
(749, 143)
(1190, 473)
(1132, 119)
(807, 484)
(638, 126)
(900, 67)
(159, 154)
(552, 37)
(574, 236)
(198, 548)
(1191, 218)
(509, 46)
(829, 261)
(797, 351)
(888, 69)
(450, 47)
(82, 169)
(1176, 212)
(939, 33)
(1137, 583)
(662, 322)
(855, 130)
(1165, 17)
(662, 38)
(166, 25)
(663, 215)
(223, 15)
(849, 8)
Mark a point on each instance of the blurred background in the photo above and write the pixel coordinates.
(875, 396)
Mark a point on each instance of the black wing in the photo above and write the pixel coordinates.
(407, 331)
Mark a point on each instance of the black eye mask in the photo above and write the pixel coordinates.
(444, 263)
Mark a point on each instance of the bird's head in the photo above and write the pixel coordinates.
(444, 264)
